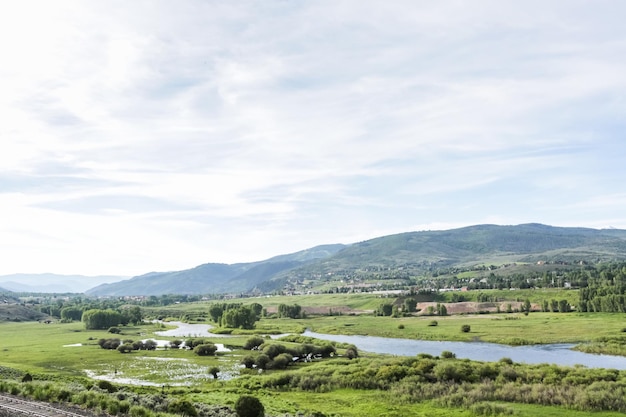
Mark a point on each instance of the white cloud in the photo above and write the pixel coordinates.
(140, 136)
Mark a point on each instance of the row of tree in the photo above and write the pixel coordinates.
(236, 315)
(606, 291)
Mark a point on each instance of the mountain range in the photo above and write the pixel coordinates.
(412, 252)
(53, 283)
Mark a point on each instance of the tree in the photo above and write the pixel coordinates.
(442, 310)
(101, 319)
(257, 309)
(214, 370)
(239, 318)
(248, 406)
(133, 315)
(384, 309)
(289, 311)
(216, 311)
(410, 305)
(71, 313)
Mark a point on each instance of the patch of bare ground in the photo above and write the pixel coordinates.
(470, 307)
(325, 310)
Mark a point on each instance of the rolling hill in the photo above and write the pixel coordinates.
(214, 278)
(414, 253)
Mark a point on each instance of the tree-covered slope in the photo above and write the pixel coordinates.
(213, 278)
(413, 253)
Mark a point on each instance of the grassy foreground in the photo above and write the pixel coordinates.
(368, 386)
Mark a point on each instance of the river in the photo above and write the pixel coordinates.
(559, 353)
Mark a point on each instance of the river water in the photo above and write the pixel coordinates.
(559, 354)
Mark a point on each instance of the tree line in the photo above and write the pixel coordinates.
(606, 291)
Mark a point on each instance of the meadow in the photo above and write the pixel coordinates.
(67, 364)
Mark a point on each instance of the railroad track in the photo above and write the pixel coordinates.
(14, 405)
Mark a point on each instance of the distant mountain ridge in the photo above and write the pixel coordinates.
(53, 283)
(215, 278)
(413, 252)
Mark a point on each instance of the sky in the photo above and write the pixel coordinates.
(140, 136)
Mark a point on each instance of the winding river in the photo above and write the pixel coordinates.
(559, 354)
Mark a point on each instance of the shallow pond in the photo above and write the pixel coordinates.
(189, 330)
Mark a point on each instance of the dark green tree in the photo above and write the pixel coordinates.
(384, 309)
(410, 305)
(289, 311)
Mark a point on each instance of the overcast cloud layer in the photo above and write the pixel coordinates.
(159, 135)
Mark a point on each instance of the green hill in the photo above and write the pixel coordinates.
(403, 255)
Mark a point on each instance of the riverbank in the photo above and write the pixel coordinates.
(516, 329)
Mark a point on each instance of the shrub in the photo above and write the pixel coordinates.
(282, 361)
(150, 344)
(247, 361)
(433, 323)
(125, 348)
(274, 350)
(253, 343)
(107, 386)
(248, 406)
(465, 328)
(262, 360)
(183, 407)
(489, 409)
(115, 330)
(138, 411)
(207, 349)
(352, 352)
(446, 354)
(400, 326)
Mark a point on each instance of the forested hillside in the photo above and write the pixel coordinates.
(402, 257)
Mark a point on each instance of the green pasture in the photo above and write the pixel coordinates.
(515, 328)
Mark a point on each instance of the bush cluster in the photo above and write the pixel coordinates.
(127, 345)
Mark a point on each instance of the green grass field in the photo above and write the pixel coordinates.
(66, 352)
(516, 328)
